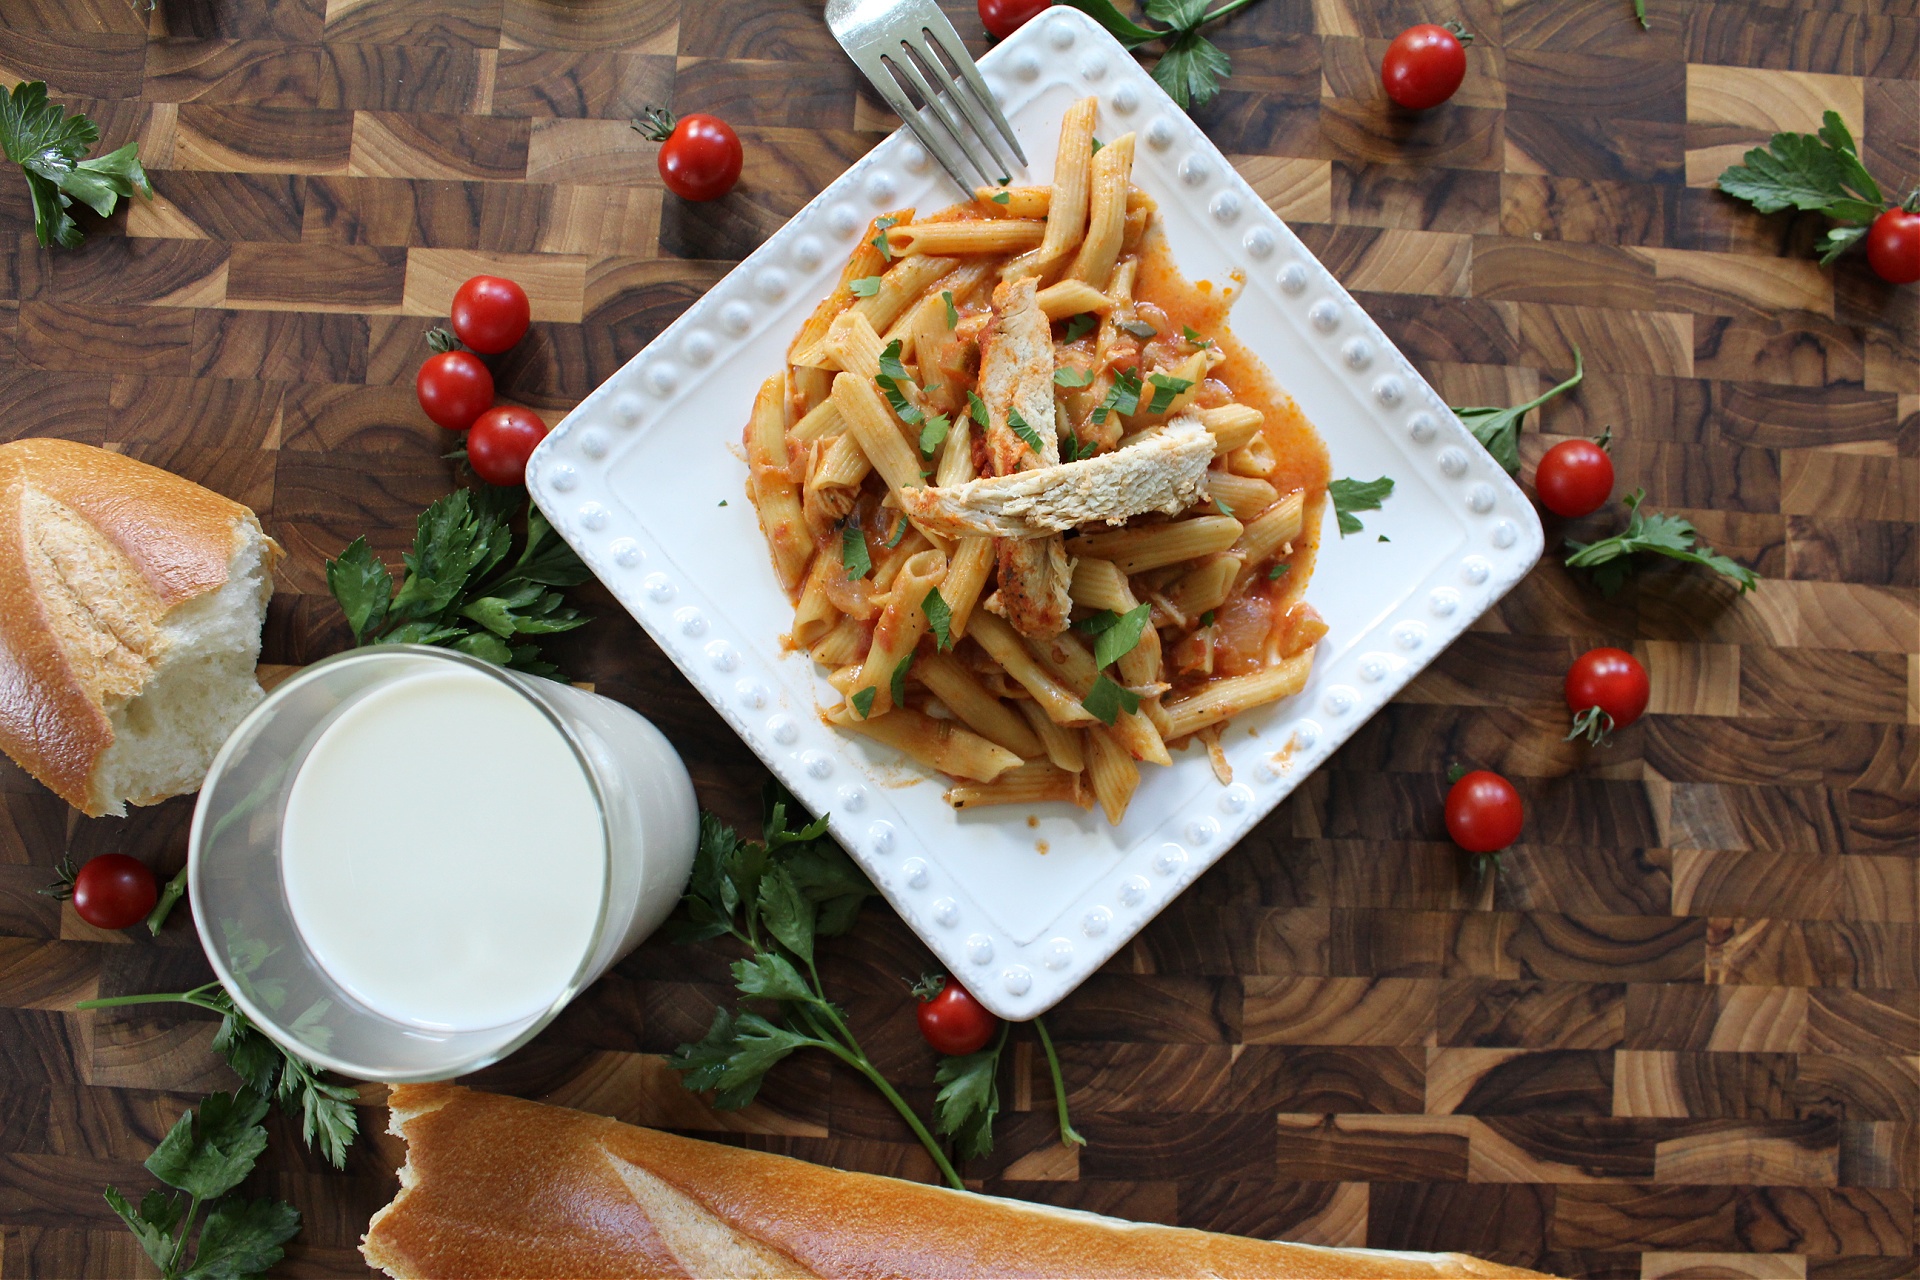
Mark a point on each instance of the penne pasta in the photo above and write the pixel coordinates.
(902, 622)
(995, 483)
(973, 559)
(938, 744)
(1107, 212)
(1099, 584)
(962, 693)
(1036, 782)
(1242, 497)
(1206, 585)
(1111, 772)
(774, 493)
(1062, 744)
(1067, 208)
(1003, 643)
(1008, 235)
(1232, 426)
(1135, 549)
(1072, 298)
(1222, 699)
(1273, 530)
(870, 424)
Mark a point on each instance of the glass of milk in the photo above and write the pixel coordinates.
(406, 861)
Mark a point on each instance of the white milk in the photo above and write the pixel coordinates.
(442, 853)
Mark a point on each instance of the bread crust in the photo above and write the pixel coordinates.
(179, 538)
(497, 1186)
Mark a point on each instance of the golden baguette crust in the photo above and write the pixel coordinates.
(497, 1186)
(71, 650)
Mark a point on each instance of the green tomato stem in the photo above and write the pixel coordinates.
(1069, 1136)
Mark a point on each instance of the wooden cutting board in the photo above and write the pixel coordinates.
(1681, 1032)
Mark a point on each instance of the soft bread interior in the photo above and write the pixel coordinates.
(172, 683)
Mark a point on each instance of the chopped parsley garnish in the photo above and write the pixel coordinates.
(1350, 496)
(897, 687)
(953, 312)
(1123, 397)
(865, 286)
(1097, 144)
(1073, 449)
(1277, 571)
(935, 430)
(893, 383)
(853, 552)
(1206, 619)
(939, 617)
(1165, 388)
(1030, 437)
(1138, 328)
(1221, 503)
(861, 700)
(977, 409)
(899, 532)
(880, 240)
(1072, 377)
(1002, 197)
(1187, 332)
(1109, 700)
(1120, 634)
(1080, 326)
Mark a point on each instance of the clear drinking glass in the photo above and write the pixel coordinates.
(647, 815)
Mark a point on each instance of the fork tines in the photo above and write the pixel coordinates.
(909, 50)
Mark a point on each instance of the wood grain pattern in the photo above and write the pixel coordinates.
(1677, 1035)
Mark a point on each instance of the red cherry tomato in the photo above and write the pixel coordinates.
(1606, 689)
(953, 1022)
(1575, 478)
(1893, 245)
(490, 314)
(1483, 812)
(699, 154)
(454, 388)
(1423, 66)
(501, 442)
(114, 891)
(1002, 18)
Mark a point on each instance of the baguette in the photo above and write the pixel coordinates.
(131, 603)
(496, 1186)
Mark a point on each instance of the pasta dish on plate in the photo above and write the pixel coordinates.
(1041, 516)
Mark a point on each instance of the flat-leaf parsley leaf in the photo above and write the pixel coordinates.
(1350, 496)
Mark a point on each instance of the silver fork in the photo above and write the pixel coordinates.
(898, 44)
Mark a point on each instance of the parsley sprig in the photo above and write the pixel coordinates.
(327, 1117)
(47, 144)
(1350, 496)
(1499, 429)
(1611, 559)
(203, 1158)
(777, 896)
(1192, 67)
(464, 589)
(1818, 172)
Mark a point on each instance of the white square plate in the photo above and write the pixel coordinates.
(645, 481)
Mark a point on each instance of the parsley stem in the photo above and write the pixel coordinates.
(1069, 1136)
(1579, 372)
(180, 1246)
(857, 1059)
(1220, 13)
(175, 889)
(192, 997)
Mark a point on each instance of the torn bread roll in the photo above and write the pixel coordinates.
(131, 603)
(1165, 472)
(495, 1186)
